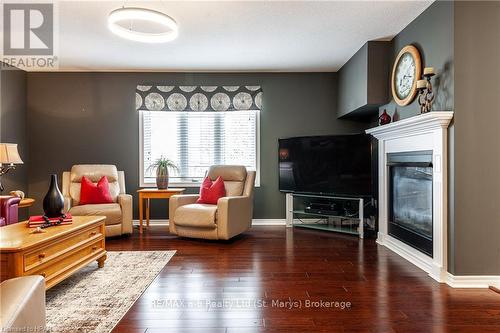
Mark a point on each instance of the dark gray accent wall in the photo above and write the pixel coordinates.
(477, 139)
(13, 125)
(460, 39)
(90, 118)
(432, 33)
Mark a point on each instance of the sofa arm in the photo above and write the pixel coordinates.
(22, 304)
(9, 206)
(125, 201)
(234, 216)
(68, 203)
(175, 202)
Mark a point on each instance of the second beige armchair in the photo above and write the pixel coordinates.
(231, 216)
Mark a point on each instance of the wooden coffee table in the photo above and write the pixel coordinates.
(56, 253)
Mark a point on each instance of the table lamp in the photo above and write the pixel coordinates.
(9, 157)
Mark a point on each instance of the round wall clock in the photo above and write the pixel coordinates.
(405, 74)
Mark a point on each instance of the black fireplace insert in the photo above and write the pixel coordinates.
(410, 199)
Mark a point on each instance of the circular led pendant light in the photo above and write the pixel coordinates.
(130, 14)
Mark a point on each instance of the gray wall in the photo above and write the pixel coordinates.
(432, 33)
(460, 39)
(90, 118)
(13, 125)
(477, 139)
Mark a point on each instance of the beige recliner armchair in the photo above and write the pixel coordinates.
(231, 216)
(22, 304)
(118, 214)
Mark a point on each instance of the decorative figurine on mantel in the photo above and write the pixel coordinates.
(384, 118)
(425, 94)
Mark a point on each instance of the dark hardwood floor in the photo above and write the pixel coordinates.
(384, 291)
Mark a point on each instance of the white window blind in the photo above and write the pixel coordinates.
(197, 140)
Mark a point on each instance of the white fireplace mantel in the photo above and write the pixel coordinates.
(427, 131)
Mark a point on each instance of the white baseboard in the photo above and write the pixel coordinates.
(420, 260)
(472, 281)
(438, 274)
(269, 222)
(152, 222)
(163, 222)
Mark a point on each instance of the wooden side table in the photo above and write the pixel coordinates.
(153, 193)
(26, 202)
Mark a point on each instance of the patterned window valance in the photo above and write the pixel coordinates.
(198, 98)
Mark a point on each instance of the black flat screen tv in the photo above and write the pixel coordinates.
(335, 164)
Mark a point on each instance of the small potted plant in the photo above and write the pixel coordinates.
(162, 165)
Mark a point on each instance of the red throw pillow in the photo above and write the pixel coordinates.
(91, 193)
(211, 192)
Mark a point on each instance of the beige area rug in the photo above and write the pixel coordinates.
(94, 300)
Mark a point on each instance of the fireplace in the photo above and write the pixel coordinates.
(410, 199)
(413, 190)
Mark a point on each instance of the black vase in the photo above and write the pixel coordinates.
(53, 203)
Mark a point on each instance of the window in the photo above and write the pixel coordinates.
(197, 140)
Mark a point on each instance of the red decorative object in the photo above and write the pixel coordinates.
(284, 153)
(91, 193)
(384, 118)
(211, 192)
(40, 221)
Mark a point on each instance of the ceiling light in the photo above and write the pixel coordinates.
(129, 15)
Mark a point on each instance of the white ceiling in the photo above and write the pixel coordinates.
(272, 36)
